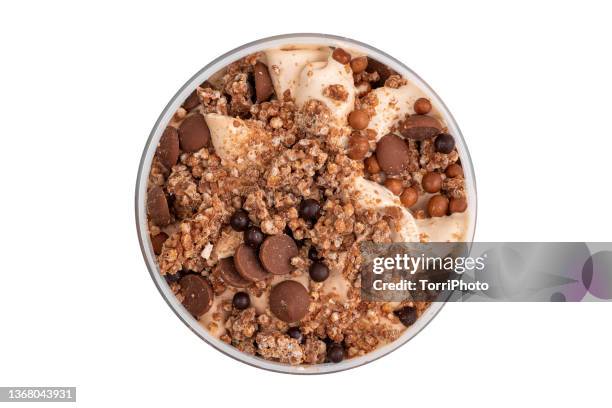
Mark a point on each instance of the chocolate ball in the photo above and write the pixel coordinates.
(295, 333)
(437, 206)
(409, 197)
(454, 170)
(359, 64)
(422, 106)
(253, 237)
(359, 119)
(313, 255)
(394, 185)
(341, 56)
(457, 205)
(239, 220)
(335, 353)
(432, 182)
(371, 165)
(241, 300)
(318, 272)
(444, 143)
(309, 209)
(358, 146)
(407, 315)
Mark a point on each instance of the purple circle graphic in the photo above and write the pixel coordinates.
(597, 275)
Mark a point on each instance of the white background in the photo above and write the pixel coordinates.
(81, 87)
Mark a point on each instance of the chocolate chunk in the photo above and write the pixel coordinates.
(263, 82)
(194, 133)
(289, 301)
(392, 154)
(276, 252)
(227, 270)
(192, 101)
(383, 71)
(420, 127)
(158, 241)
(197, 294)
(247, 264)
(157, 206)
(168, 148)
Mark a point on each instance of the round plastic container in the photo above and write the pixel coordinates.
(149, 151)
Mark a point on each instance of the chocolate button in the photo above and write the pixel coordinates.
(194, 133)
(192, 101)
(289, 301)
(263, 82)
(247, 264)
(168, 149)
(227, 270)
(197, 294)
(392, 154)
(157, 206)
(276, 252)
(420, 127)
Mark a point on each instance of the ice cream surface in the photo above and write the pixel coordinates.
(268, 178)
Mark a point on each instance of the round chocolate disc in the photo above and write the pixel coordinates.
(420, 127)
(289, 301)
(197, 294)
(392, 154)
(276, 252)
(194, 133)
(227, 270)
(168, 149)
(247, 264)
(157, 206)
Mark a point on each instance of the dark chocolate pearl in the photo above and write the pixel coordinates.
(407, 315)
(312, 254)
(335, 353)
(444, 143)
(309, 209)
(253, 237)
(239, 220)
(318, 272)
(241, 300)
(295, 333)
(173, 278)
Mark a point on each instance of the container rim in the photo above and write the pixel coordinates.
(147, 157)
